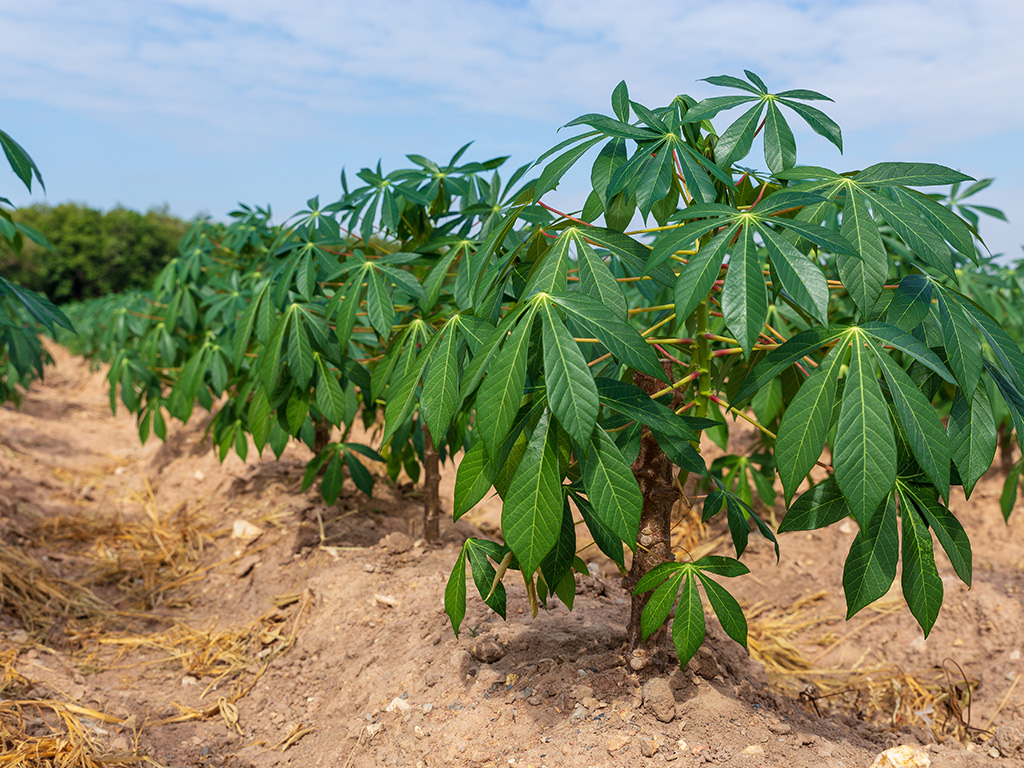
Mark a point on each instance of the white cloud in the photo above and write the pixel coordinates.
(946, 69)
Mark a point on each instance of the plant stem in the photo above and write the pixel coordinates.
(654, 474)
(431, 494)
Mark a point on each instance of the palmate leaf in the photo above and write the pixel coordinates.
(614, 495)
(571, 391)
(871, 563)
(440, 396)
(726, 608)
(864, 456)
(618, 336)
(806, 422)
(474, 478)
(697, 278)
(744, 296)
(922, 586)
(862, 275)
(501, 392)
(921, 425)
(972, 436)
(947, 529)
(660, 603)
(818, 507)
(781, 358)
(779, 143)
(688, 626)
(455, 591)
(596, 280)
(914, 231)
(329, 397)
(801, 277)
(963, 347)
(531, 517)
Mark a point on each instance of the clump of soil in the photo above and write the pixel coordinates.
(159, 603)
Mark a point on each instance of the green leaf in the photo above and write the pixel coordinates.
(474, 478)
(921, 425)
(20, 161)
(1008, 497)
(532, 514)
(911, 303)
(708, 108)
(918, 236)
(571, 391)
(549, 273)
(947, 529)
(501, 392)
(455, 591)
(300, 354)
(618, 336)
(963, 347)
(909, 174)
(688, 626)
(440, 396)
(871, 564)
(972, 436)
(330, 485)
(726, 608)
(629, 400)
(922, 586)
(862, 275)
(778, 360)
(611, 487)
(478, 551)
(893, 337)
(779, 144)
(329, 397)
(378, 304)
(556, 169)
(698, 277)
(801, 277)
(620, 101)
(864, 455)
(735, 142)
(722, 566)
(596, 280)
(820, 123)
(660, 603)
(806, 422)
(819, 507)
(744, 296)
(609, 126)
(605, 539)
(558, 562)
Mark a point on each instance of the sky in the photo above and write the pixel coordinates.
(201, 105)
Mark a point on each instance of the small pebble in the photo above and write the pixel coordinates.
(369, 568)
(487, 651)
(616, 742)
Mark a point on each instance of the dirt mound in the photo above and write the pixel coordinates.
(159, 603)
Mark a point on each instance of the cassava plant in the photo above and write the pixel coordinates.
(612, 351)
(22, 312)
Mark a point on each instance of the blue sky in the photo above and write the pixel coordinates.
(201, 105)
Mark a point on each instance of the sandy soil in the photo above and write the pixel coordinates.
(195, 615)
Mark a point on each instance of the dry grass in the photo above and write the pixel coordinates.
(146, 558)
(937, 701)
(39, 599)
(50, 734)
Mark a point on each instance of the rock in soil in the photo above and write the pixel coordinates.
(658, 699)
(487, 651)
(1009, 740)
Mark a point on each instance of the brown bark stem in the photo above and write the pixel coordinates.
(431, 493)
(654, 474)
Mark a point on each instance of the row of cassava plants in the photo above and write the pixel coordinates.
(23, 313)
(577, 362)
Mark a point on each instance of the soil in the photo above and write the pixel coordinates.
(202, 613)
